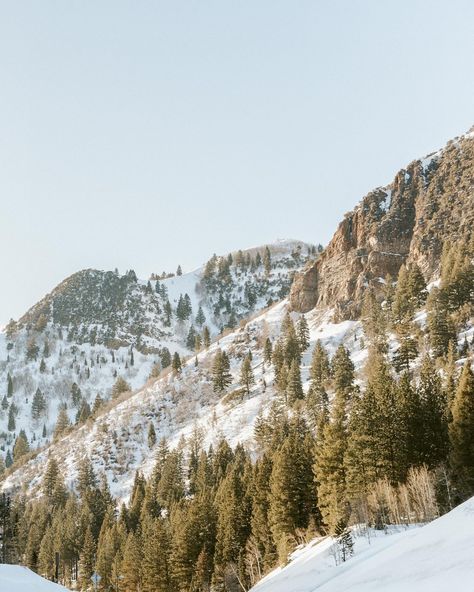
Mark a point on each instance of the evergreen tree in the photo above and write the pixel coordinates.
(206, 337)
(267, 260)
(120, 386)
(21, 446)
(191, 338)
(200, 317)
(38, 405)
(11, 419)
(461, 431)
(176, 364)
(156, 549)
(62, 423)
(221, 377)
(292, 499)
(9, 385)
(320, 369)
(87, 560)
(151, 435)
(246, 374)
(302, 332)
(50, 477)
(267, 351)
(165, 357)
(294, 388)
(131, 564)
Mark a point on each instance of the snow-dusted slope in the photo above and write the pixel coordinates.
(433, 558)
(178, 405)
(95, 320)
(16, 578)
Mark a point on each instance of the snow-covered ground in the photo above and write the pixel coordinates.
(94, 366)
(16, 578)
(432, 558)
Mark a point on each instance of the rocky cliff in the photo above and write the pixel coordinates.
(429, 203)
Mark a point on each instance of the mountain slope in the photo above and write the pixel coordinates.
(428, 204)
(96, 326)
(433, 558)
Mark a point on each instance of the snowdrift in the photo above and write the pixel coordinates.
(433, 558)
(15, 578)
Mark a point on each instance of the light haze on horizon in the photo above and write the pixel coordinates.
(150, 134)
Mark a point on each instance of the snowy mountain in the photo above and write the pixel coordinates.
(179, 405)
(96, 326)
(431, 558)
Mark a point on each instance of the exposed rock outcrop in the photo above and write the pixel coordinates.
(427, 204)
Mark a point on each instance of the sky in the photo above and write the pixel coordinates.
(149, 134)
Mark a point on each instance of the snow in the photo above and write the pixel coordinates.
(16, 578)
(70, 362)
(432, 558)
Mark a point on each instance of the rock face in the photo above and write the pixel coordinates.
(429, 203)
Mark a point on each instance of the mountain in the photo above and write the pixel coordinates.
(431, 558)
(279, 427)
(96, 326)
(430, 203)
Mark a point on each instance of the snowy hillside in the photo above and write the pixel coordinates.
(16, 578)
(97, 326)
(433, 558)
(179, 405)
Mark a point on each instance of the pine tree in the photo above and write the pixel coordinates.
(267, 260)
(191, 338)
(21, 446)
(38, 405)
(374, 322)
(11, 419)
(9, 385)
(50, 477)
(294, 388)
(200, 317)
(434, 430)
(320, 369)
(32, 349)
(156, 548)
(87, 560)
(292, 499)
(221, 377)
(329, 468)
(461, 431)
(131, 564)
(267, 351)
(165, 357)
(206, 337)
(151, 435)
(62, 423)
(42, 367)
(246, 374)
(302, 332)
(176, 364)
(120, 386)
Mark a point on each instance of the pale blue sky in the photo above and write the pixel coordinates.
(141, 135)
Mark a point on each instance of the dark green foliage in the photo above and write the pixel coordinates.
(221, 377)
(461, 431)
(246, 374)
(151, 435)
(38, 405)
(176, 363)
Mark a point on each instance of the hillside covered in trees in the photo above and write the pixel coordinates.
(289, 426)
